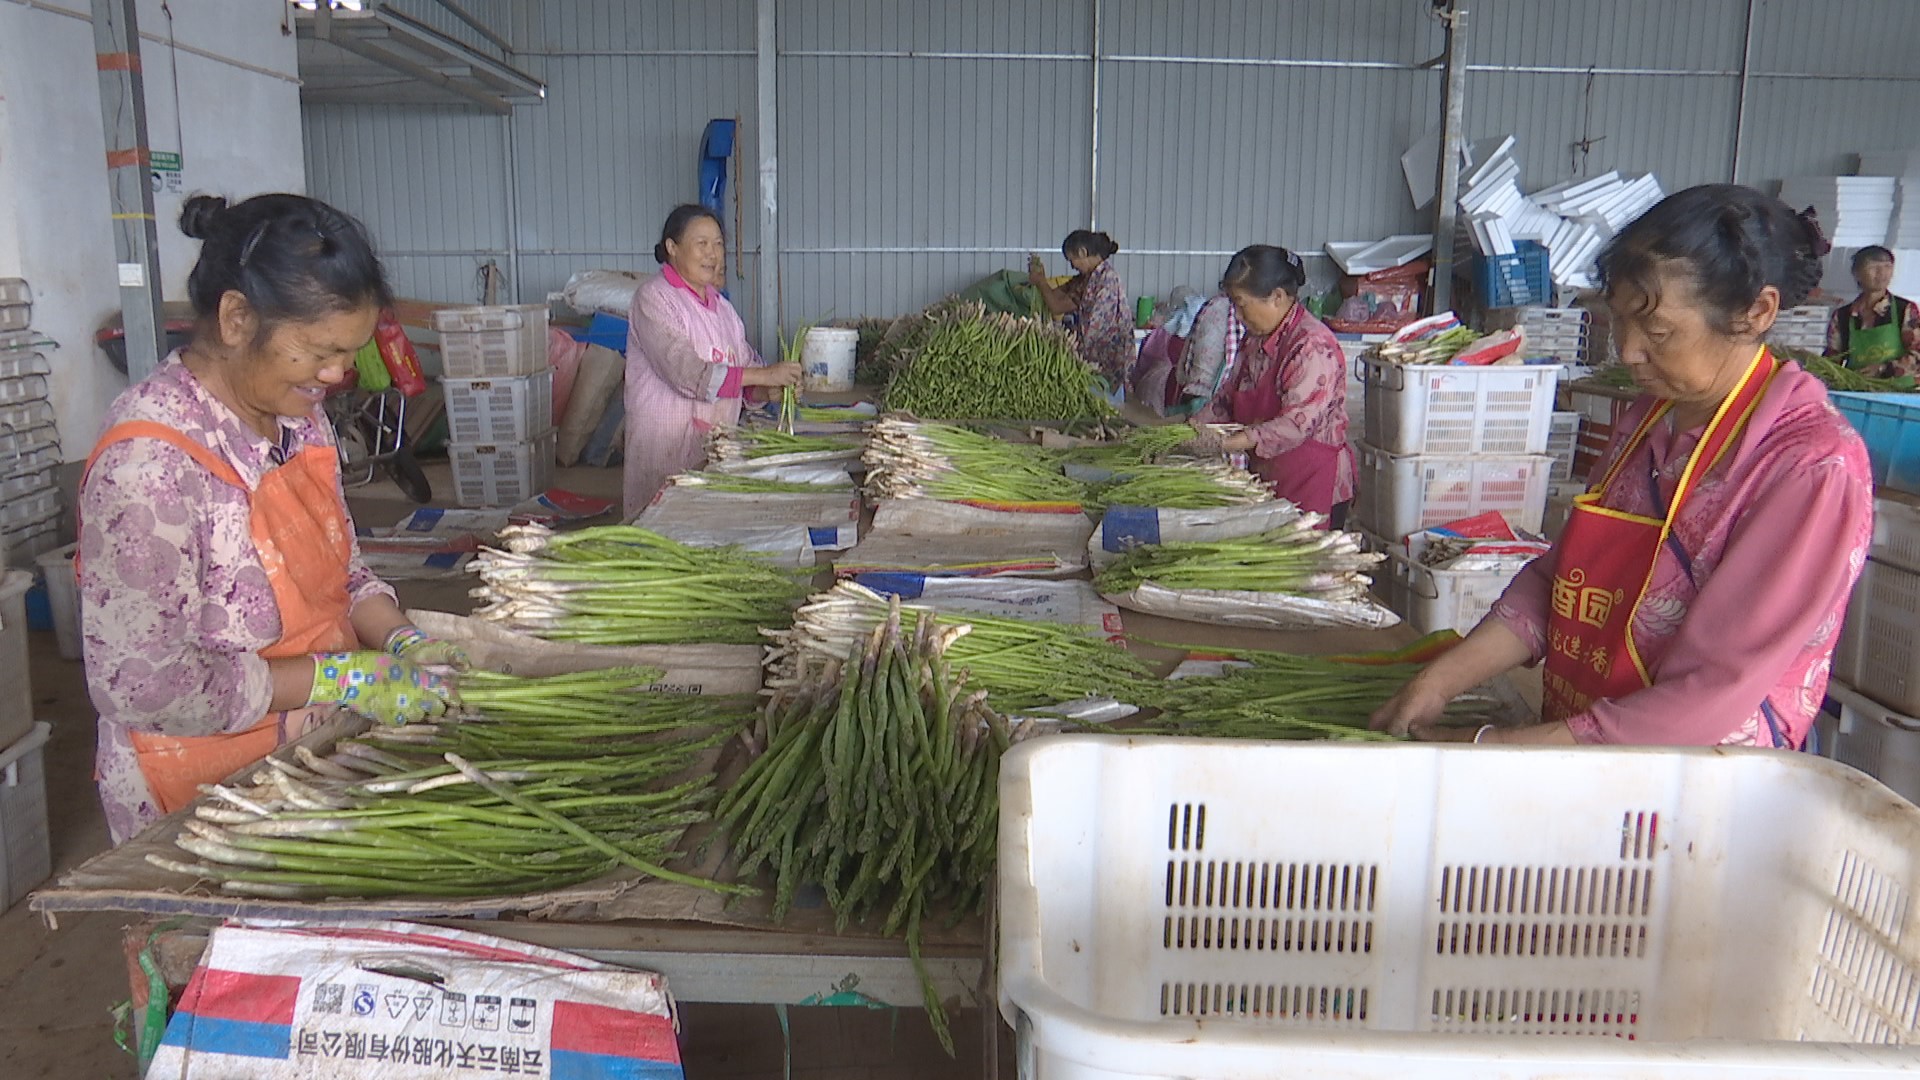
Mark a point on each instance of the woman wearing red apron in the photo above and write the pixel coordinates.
(1288, 388)
(224, 605)
(1696, 594)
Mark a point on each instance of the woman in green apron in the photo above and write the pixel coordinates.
(1879, 333)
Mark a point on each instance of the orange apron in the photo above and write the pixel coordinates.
(301, 532)
(1606, 562)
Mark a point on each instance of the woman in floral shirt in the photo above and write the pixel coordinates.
(224, 606)
(1097, 301)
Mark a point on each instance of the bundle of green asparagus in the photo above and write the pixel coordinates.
(976, 366)
(1022, 665)
(538, 783)
(1295, 560)
(1282, 696)
(908, 460)
(878, 783)
(1184, 485)
(622, 585)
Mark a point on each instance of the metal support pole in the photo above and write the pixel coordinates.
(136, 241)
(1093, 171)
(767, 116)
(1740, 99)
(1452, 116)
(513, 210)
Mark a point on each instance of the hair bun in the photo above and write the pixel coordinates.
(200, 217)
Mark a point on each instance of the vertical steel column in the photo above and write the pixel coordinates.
(1093, 171)
(1453, 112)
(514, 291)
(123, 117)
(1740, 100)
(767, 117)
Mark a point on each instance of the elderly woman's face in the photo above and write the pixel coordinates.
(700, 255)
(1262, 314)
(1672, 347)
(1874, 275)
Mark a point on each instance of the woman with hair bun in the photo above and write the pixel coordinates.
(1102, 323)
(688, 361)
(223, 602)
(1696, 594)
(1288, 387)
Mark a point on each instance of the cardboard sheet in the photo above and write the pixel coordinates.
(943, 538)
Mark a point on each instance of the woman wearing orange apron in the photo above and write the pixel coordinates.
(1697, 591)
(224, 605)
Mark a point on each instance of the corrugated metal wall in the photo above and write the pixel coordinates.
(924, 145)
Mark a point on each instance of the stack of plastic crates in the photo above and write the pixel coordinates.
(1226, 910)
(30, 503)
(499, 393)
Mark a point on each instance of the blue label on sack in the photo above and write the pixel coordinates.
(1122, 527)
(424, 519)
(886, 582)
(826, 537)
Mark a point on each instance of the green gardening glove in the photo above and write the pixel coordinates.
(421, 649)
(379, 686)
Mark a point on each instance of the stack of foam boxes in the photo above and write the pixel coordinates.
(499, 395)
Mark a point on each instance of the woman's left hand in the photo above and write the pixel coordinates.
(422, 649)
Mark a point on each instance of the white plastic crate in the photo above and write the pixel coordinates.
(1878, 741)
(499, 410)
(30, 462)
(23, 389)
(492, 342)
(1879, 648)
(18, 365)
(1401, 495)
(1458, 409)
(25, 543)
(1563, 441)
(26, 851)
(38, 504)
(26, 485)
(17, 446)
(1438, 598)
(501, 474)
(1896, 533)
(1232, 910)
(16, 679)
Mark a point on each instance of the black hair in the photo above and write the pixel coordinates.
(1870, 253)
(292, 257)
(1088, 242)
(1732, 240)
(676, 227)
(1261, 268)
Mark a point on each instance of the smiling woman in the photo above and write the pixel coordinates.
(223, 601)
(1696, 593)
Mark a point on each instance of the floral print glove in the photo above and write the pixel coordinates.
(422, 649)
(383, 688)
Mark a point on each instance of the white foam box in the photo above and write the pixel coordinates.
(1405, 494)
(1458, 408)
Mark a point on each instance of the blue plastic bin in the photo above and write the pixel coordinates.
(1514, 280)
(1890, 424)
(606, 330)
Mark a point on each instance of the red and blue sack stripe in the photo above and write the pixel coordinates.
(235, 1012)
(596, 1042)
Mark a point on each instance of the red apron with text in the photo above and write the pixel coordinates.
(1303, 475)
(301, 533)
(1606, 562)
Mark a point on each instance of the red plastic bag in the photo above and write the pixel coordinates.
(396, 351)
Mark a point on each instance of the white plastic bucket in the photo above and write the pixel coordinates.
(63, 596)
(827, 358)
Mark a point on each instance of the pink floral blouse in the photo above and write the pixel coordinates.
(174, 604)
(1776, 536)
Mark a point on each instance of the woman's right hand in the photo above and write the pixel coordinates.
(1416, 705)
(771, 375)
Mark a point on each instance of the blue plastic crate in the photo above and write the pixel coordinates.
(1890, 424)
(1515, 280)
(607, 330)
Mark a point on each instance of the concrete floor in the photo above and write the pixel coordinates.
(60, 985)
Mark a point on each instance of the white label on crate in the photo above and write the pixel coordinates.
(132, 275)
